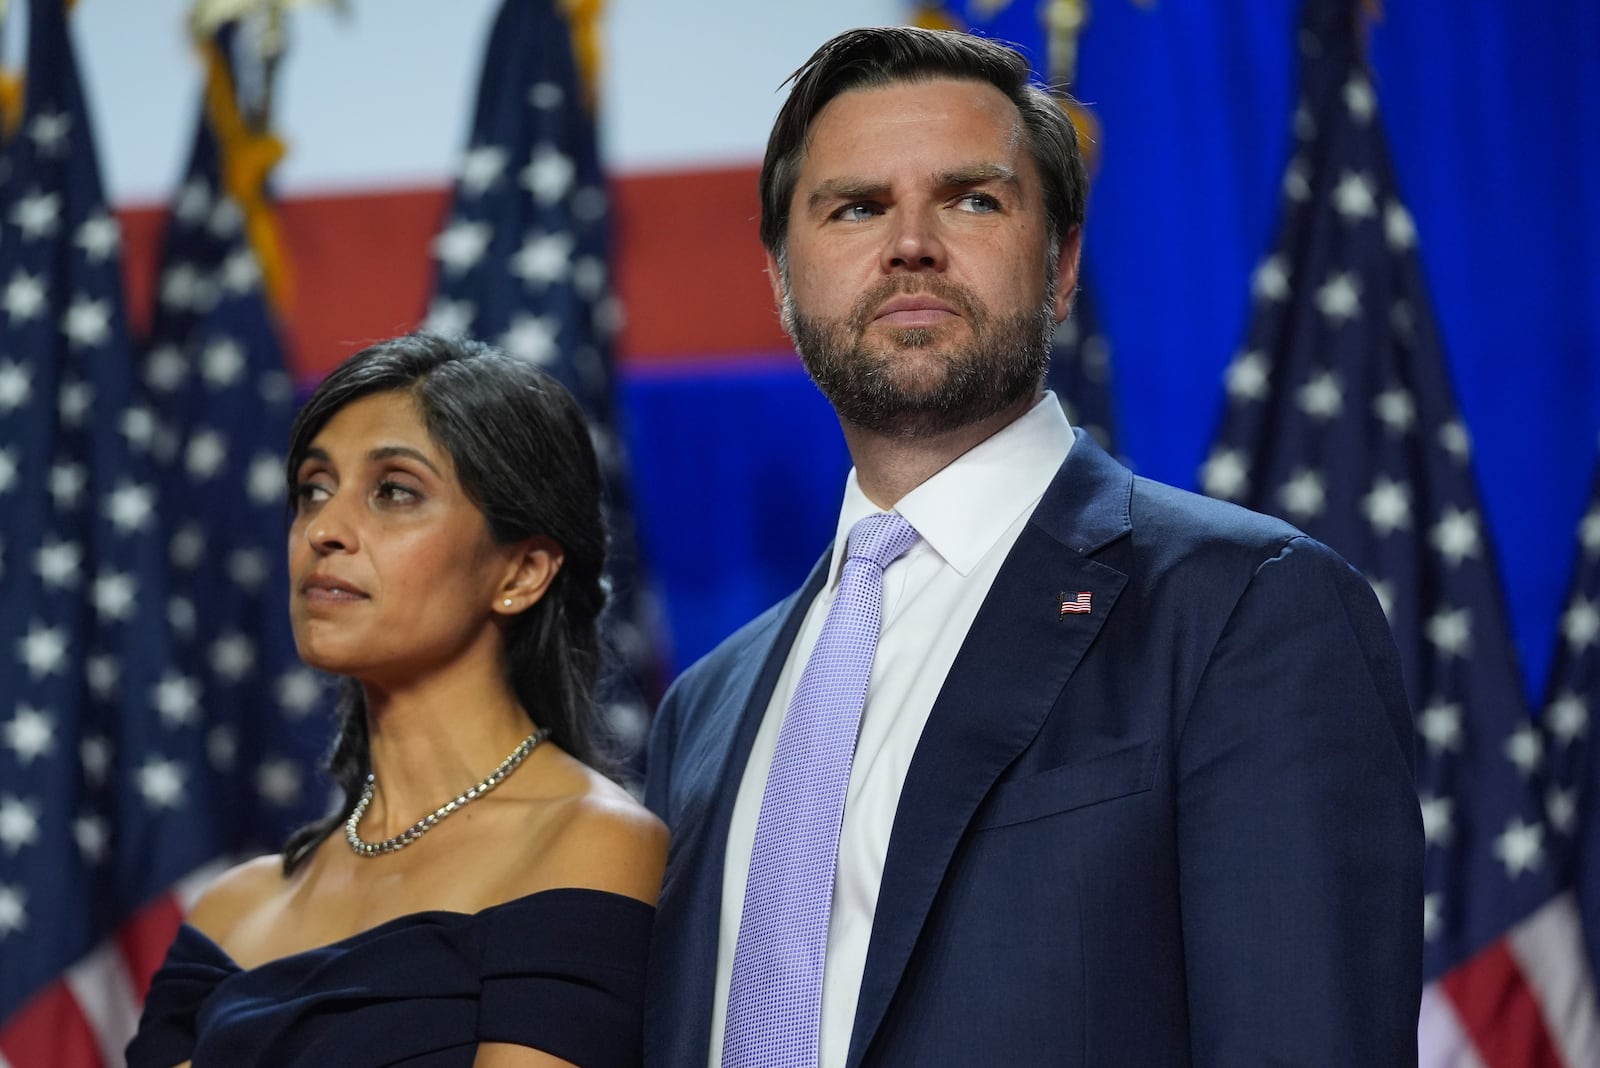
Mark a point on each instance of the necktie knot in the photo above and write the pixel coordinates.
(881, 538)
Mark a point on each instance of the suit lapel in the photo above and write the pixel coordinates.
(1018, 655)
(692, 894)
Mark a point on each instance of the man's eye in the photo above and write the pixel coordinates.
(978, 202)
(857, 212)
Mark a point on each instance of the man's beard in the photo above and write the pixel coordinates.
(870, 386)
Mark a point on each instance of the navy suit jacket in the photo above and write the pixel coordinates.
(1179, 829)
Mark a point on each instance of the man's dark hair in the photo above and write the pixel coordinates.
(880, 56)
(523, 455)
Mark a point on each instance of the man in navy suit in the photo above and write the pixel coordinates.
(1131, 783)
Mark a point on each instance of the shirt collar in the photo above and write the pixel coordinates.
(963, 509)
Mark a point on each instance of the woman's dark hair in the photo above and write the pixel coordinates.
(523, 455)
(879, 56)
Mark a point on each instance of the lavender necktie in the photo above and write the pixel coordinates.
(775, 997)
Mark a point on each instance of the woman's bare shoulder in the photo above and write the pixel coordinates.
(237, 893)
(612, 842)
(600, 838)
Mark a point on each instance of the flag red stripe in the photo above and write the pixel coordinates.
(50, 1031)
(144, 939)
(722, 308)
(1499, 1011)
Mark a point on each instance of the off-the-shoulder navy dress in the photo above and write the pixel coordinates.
(560, 970)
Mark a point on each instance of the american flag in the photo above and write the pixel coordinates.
(1572, 799)
(1080, 371)
(1341, 417)
(522, 262)
(1080, 353)
(134, 595)
(219, 397)
(1076, 606)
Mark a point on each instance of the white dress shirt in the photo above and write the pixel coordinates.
(969, 516)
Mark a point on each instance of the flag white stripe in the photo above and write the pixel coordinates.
(103, 989)
(102, 986)
(1548, 947)
(1441, 1041)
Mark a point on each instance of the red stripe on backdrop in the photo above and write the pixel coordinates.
(144, 939)
(50, 1031)
(359, 269)
(1500, 1012)
(689, 267)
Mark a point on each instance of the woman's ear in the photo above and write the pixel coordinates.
(532, 570)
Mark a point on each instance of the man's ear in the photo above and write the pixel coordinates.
(775, 280)
(1067, 273)
(532, 570)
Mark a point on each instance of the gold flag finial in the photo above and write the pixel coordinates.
(934, 17)
(206, 17)
(13, 85)
(247, 150)
(10, 103)
(583, 24)
(1064, 21)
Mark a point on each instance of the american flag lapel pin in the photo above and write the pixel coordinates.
(1075, 606)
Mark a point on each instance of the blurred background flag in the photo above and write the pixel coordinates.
(1047, 31)
(1572, 802)
(153, 686)
(523, 262)
(1341, 418)
(96, 787)
(220, 402)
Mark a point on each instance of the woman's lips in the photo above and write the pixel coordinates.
(329, 590)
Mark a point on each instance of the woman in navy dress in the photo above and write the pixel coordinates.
(483, 895)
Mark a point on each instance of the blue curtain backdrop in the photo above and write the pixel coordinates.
(1492, 110)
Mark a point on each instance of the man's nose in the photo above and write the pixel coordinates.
(914, 242)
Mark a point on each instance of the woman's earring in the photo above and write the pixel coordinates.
(506, 602)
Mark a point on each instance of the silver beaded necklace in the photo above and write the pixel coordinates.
(361, 847)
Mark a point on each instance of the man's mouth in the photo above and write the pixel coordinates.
(913, 310)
